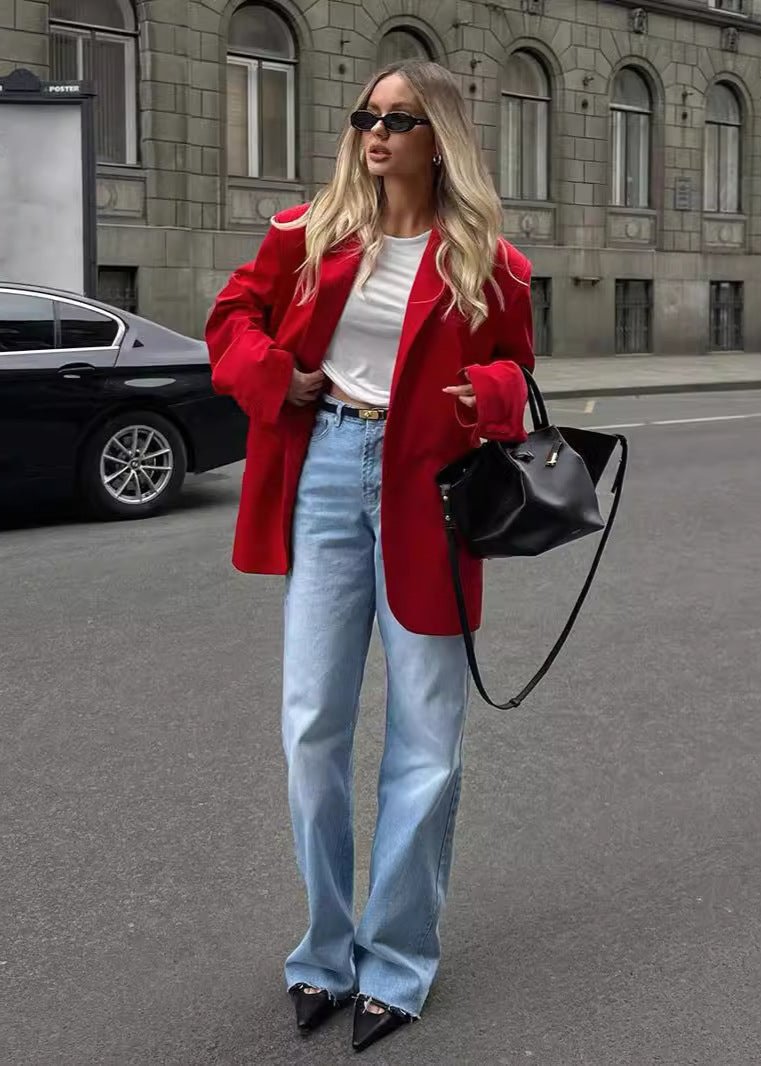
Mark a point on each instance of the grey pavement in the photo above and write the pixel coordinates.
(648, 374)
(605, 904)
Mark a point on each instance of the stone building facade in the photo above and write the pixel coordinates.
(624, 139)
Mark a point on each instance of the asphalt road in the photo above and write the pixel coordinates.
(605, 905)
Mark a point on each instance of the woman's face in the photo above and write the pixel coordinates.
(397, 154)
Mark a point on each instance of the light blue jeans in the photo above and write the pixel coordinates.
(334, 592)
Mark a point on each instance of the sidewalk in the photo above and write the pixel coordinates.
(637, 375)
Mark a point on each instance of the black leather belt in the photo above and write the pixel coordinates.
(367, 414)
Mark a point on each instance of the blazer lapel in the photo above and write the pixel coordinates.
(337, 273)
(427, 290)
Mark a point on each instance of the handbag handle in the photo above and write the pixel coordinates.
(462, 611)
(536, 404)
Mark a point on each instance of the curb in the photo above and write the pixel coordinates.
(647, 390)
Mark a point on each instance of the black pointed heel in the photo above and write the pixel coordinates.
(369, 1027)
(313, 1008)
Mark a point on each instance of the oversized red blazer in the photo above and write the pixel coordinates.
(257, 332)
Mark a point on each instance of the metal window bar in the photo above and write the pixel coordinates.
(541, 306)
(727, 307)
(634, 313)
(117, 286)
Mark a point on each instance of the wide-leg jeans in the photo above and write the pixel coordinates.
(334, 593)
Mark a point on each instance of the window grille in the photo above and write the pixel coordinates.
(727, 305)
(634, 314)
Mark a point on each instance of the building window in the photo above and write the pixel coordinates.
(117, 286)
(634, 315)
(631, 112)
(94, 40)
(399, 45)
(525, 129)
(261, 95)
(721, 164)
(541, 308)
(727, 300)
(732, 7)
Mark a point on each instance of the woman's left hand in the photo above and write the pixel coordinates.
(464, 393)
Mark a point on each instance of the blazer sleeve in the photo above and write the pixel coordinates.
(499, 386)
(245, 362)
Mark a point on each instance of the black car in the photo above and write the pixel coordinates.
(98, 402)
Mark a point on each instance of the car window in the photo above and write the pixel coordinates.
(83, 327)
(26, 323)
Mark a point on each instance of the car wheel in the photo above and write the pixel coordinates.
(133, 466)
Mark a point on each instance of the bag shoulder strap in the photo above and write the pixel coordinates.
(462, 611)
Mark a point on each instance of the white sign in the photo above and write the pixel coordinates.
(41, 191)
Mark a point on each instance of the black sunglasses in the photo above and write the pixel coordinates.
(394, 121)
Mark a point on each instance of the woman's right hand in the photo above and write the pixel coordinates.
(305, 388)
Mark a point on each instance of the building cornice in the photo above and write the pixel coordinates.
(698, 12)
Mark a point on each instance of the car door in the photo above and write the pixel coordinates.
(56, 354)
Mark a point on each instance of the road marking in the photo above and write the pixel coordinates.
(588, 408)
(677, 421)
(709, 418)
(623, 425)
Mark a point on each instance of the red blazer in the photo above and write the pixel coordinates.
(256, 331)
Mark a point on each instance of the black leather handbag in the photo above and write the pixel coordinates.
(504, 500)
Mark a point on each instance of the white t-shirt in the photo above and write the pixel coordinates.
(362, 353)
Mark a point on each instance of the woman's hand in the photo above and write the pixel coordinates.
(305, 388)
(464, 393)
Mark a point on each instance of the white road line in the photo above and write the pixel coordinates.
(623, 425)
(710, 418)
(591, 404)
(678, 421)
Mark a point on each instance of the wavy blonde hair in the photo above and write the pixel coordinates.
(468, 209)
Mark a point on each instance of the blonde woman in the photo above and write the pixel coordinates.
(375, 338)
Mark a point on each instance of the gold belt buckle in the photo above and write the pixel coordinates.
(370, 414)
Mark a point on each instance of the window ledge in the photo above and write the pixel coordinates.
(529, 205)
(128, 170)
(647, 212)
(275, 184)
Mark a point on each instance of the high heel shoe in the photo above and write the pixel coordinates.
(312, 1008)
(370, 1027)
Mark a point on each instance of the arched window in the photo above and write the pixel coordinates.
(261, 95)
(631, 112)
(721, 185)
(94, 40)
(401, 44)
(525, 129)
